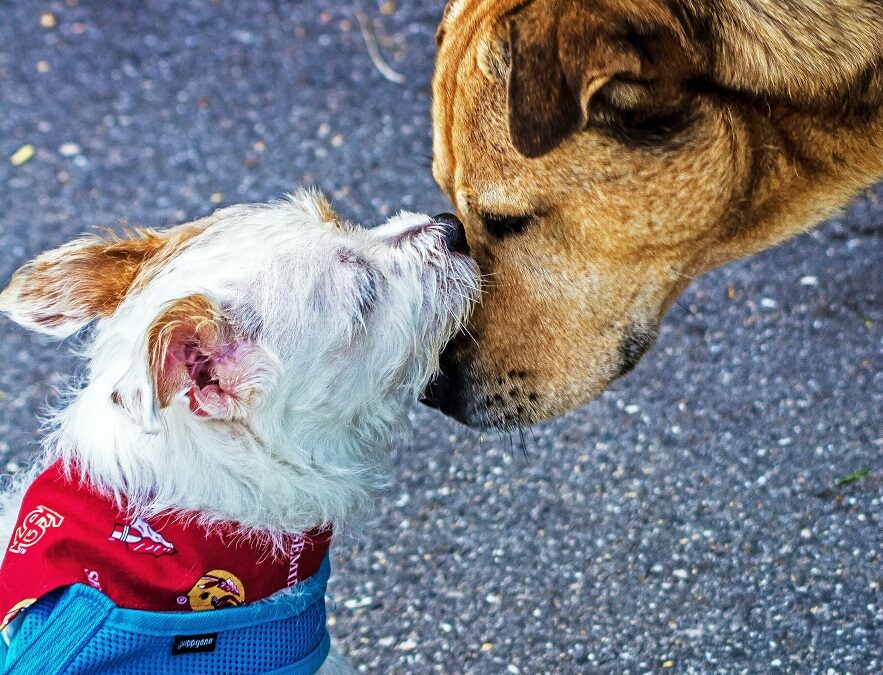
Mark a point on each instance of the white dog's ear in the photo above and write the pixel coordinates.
(195, 354)
(62, 290)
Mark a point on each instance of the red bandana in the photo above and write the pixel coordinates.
(68, 533)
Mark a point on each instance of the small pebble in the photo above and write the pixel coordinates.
(216, 197)
(407, 646)
(69, 149)
(47, 20)
(768, 303)
(22, 155)
(353, 603)
(580, 653)
(809, 281)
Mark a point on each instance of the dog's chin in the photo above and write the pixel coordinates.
(480, 405)
(485, 384)
(470, 404)
(503, 398)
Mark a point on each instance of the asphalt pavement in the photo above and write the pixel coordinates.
(688, 521)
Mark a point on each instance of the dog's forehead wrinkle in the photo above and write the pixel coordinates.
(500, 200)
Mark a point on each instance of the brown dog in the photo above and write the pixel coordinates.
(603, 153)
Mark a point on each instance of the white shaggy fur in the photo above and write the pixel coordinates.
(345, 325)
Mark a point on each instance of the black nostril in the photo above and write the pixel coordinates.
(455, 235)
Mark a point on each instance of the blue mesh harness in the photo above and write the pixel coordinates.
(80, 630)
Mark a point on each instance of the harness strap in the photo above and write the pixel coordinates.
(76, 620)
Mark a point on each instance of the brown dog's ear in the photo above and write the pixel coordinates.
(562, 53)
(62, 290)
(450, 6)
(808, 51)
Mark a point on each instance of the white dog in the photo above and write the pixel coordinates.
(247, 374)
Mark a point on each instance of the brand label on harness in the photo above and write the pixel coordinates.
(193, 644)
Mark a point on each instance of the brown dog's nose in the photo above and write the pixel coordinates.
(455, 235)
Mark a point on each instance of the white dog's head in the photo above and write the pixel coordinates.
(251, 365)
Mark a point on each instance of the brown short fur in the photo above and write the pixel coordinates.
(603, 153)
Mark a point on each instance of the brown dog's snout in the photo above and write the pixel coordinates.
(454, 232)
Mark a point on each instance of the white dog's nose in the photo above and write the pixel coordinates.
(454, 233)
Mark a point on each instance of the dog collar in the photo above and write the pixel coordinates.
(69, 533)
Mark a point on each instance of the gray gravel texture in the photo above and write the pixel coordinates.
(687, 521)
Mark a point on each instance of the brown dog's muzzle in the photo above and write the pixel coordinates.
(512, 397)
(457, 395)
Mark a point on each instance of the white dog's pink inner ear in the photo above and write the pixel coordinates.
(195, 352)
(189, 346)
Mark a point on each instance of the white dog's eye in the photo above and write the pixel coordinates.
(349, 257)
(366, 281)
(366, 294)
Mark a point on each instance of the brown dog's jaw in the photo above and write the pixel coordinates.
(497, 405)
(603, 154)
(508, 396)
(633, 346)
(504, 402)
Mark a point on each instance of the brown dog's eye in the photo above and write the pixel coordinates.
(504, 226)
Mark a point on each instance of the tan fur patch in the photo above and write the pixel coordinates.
(326, 211)
(90, 277)
(174, 241)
